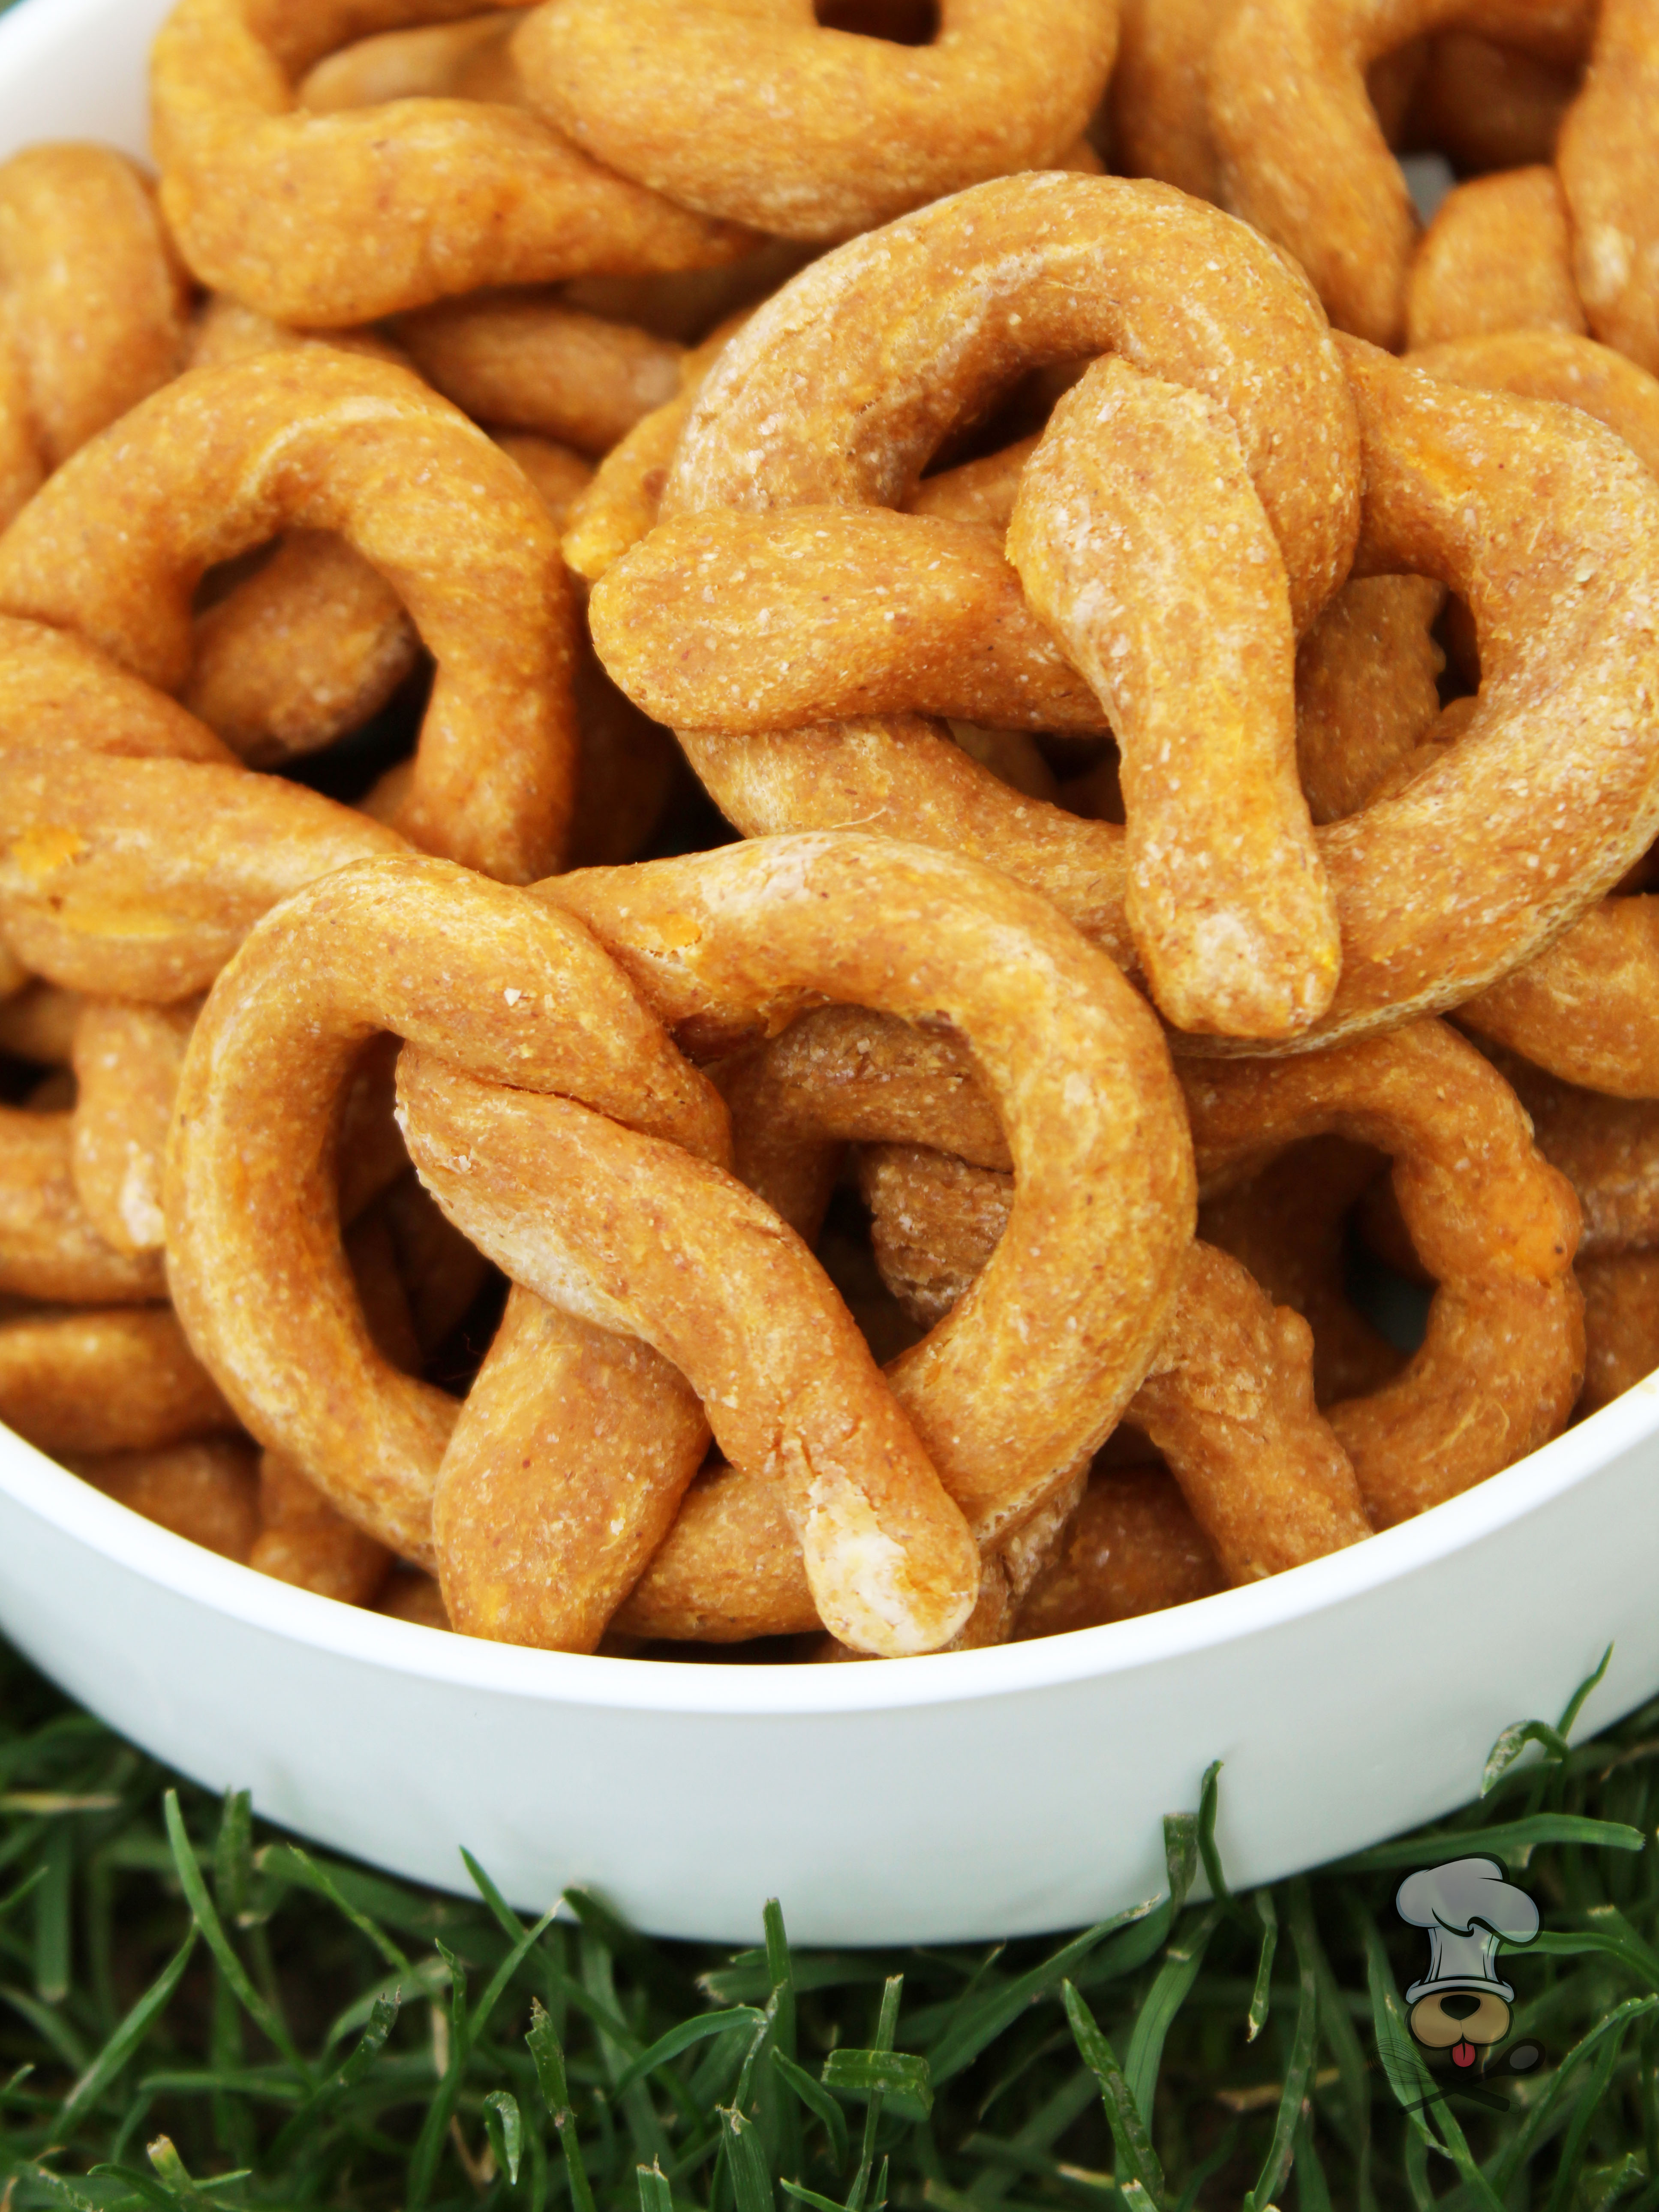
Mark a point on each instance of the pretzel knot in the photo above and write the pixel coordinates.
(1511, 506)
(758, 113)
(223, 458)
(1303, 155)
(94, 306)
(279, 206)
(656, 1295)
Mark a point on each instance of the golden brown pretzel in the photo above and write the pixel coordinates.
(644, 1238)
(1609, 172)
(275, 204)
(1301, 152)
(750, 109)
(1434, 867)
(1497, 257)
(204, 1490)
(1493, 1224)
(1227, 1401)
(94, 306)
(524, 361)
(518, 994)
(223, 458)
(49, 1248)
(1584, 1008)
(104, 1379)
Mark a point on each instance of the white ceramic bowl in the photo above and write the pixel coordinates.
(985, 1793)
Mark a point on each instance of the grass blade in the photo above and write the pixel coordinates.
(1281, 2151)
(1168, 1994)
(683, 2038)
(1268, 1912)
(505, 2129)
(549, 2056)
(263, 2014)
(817, 2101)
(967, 2034)
(1130, 2138)
(1510, 1840)
(127, 2038)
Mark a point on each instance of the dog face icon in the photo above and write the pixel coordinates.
(1467, 1907)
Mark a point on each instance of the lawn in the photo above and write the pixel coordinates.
(199, 2012)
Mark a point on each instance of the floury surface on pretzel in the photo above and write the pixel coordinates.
(754, 110)
(1542, 522)
(332, 219)
(604, 1328)
(222, 458)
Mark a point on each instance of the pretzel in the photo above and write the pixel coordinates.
(305, 992)
(467, 60)
(1409, 881)
(1621, 1324)
(1494, 1225)
(1226, 900)
(126, 1061)
(105, 1380)
(94, 306)
(669, 1249)
(1133, 1547)
(114, 544)
(1488, 106)
(712, 942)
(205, 1490)
(1365, 688)
(275, 204)
(1610, 176)
(526, 363)
(1228, 1400)
(49, 1248)
(100, 893)
(1286, 1224)
(757, 114)
(1497, 257)
(1303, 155)
(1582, 1008)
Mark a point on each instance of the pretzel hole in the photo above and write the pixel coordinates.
(900, 23)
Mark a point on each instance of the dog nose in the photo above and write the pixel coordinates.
(1459, 2008)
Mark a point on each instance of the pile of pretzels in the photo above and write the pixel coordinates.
(774, 782)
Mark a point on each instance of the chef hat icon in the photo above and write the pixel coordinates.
(1467, 1906)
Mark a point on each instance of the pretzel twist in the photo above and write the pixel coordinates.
(224, 458)
(1301, 152)
(1562, 530)
(94, 306)
(749, 109)
(275, 204)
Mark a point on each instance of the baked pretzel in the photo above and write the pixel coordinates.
(1493, 1224)
(1497, 257)
(1609, 172)
(1621, 1324)
(751, 110)
(524, 361)
(1366, 691)
(1583, 1008)
(1227, 1401)
(1567, 499)
(279, 206)
(105, 1379)
(1303, 153)
(1133, 1547)
(94, 306)
(308, 992)
(1488, 106)
(468, 59)
(223, 458)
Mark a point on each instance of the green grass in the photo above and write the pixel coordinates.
(196, 2013)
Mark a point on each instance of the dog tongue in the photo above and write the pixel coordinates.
(1462, 2054)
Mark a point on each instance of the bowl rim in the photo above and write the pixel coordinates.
(185, 1570)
